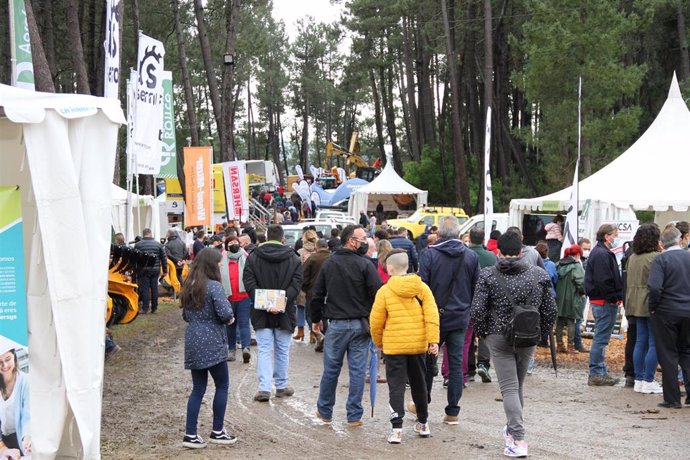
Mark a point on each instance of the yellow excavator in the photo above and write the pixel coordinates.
(352, 158)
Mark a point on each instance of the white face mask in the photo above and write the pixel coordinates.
(585, 253)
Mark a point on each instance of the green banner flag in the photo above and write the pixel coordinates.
(22, 62)
(168, 145)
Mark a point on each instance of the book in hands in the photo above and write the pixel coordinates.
(270, 299)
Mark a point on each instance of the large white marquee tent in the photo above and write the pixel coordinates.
(650, 176)
(383, 189)
(60, 150)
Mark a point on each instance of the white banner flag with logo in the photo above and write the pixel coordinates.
(235, 178)
(571, 220)
(488, 193)
(112, 49)
(148, 113)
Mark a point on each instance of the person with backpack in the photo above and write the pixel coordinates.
(512, 304)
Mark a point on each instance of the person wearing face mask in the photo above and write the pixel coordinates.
(234, 261)
(343, 295)
(604, 287)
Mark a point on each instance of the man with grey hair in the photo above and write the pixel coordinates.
(669, 312)
(451, 270)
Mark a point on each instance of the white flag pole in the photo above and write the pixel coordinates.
(570, 231)
(488, 193)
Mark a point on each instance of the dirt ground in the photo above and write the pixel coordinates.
(146, 389)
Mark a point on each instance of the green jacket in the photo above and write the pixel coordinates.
(486, 257)
(637, 293)
(570, 288)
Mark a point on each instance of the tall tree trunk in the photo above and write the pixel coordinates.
(136, 25)
(282, 145)
(425, 94)
(49, 35)
(683, 39)
(5, 59)
(91, 47)
(387, 99)
(99, 52)
(210, 73)
(77, 51)
(377, 115)
(232, 15)
(188, 96)
(42, 76)
(461, 186)
(415, 144)
(304, 149)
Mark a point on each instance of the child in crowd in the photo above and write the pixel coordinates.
(405, 325)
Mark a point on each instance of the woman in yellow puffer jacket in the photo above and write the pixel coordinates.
(405, 325)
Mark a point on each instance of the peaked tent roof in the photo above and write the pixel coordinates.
(651, 174)
(389, 182)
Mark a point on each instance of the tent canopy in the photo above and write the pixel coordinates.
(388, 183)
(650, 175)
(60, 150)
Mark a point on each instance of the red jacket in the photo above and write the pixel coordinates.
(492, 245)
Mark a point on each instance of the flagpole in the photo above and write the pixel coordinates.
(579, 152)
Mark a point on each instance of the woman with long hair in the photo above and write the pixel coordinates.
(207, 310)
(308, 248)
(383, 248)
(645, 249)
(14, 403)
(234, 260)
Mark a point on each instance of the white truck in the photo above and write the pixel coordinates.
(499, 222)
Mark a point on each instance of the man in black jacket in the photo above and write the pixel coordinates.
(147, 280)
(176, 251)
(343, 294)
(669, 312)
(604, 288)
(400, 241)
(273, 265)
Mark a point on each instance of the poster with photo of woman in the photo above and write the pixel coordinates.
(14, 401)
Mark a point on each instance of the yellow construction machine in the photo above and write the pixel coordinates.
(352, 158)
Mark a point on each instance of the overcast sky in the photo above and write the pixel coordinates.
(289, 11)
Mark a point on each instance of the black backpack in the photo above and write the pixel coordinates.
(523, 328)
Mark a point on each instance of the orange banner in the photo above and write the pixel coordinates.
(198, 185)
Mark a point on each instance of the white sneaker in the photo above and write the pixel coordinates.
(516, 450)
(422, 429)
(507, 437)
(651, 388)
(638, 386)
(396, 436)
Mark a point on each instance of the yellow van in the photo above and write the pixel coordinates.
(417, 222)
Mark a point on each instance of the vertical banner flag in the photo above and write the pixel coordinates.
(571, 219)
(169, 155)
(22, 60)
(131, 104)
(13, 326)
(235, 178)
(148, 113)
(197, 173)
(112, 49)
(488, 193)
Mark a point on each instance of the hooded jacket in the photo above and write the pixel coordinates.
(273, 266)
(436, 270)
(492, 310)
(404, 319)
(570, 288)
(400, 242)
(345, 287)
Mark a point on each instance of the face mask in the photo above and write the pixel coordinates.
(375, 255)
(234, 248)
(585, 253)
(363, 249)
(618, 242)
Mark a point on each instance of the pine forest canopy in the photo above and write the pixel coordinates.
(415, 75)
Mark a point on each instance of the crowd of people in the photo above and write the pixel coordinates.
(371, 293)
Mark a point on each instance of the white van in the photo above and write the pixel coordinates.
(500, 223)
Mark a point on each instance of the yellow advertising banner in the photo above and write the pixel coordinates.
(218, 189)
(198, 185)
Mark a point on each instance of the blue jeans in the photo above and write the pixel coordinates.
(219, 374)
(274, 358)
(578, 326)
(455, 341)
(344, 336)
(604, 319)
(242, 310)
(148, 291)
(645, 351)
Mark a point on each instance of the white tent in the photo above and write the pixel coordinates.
(60, 150)
(650, 175)
(384, 188)
(146, 212)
